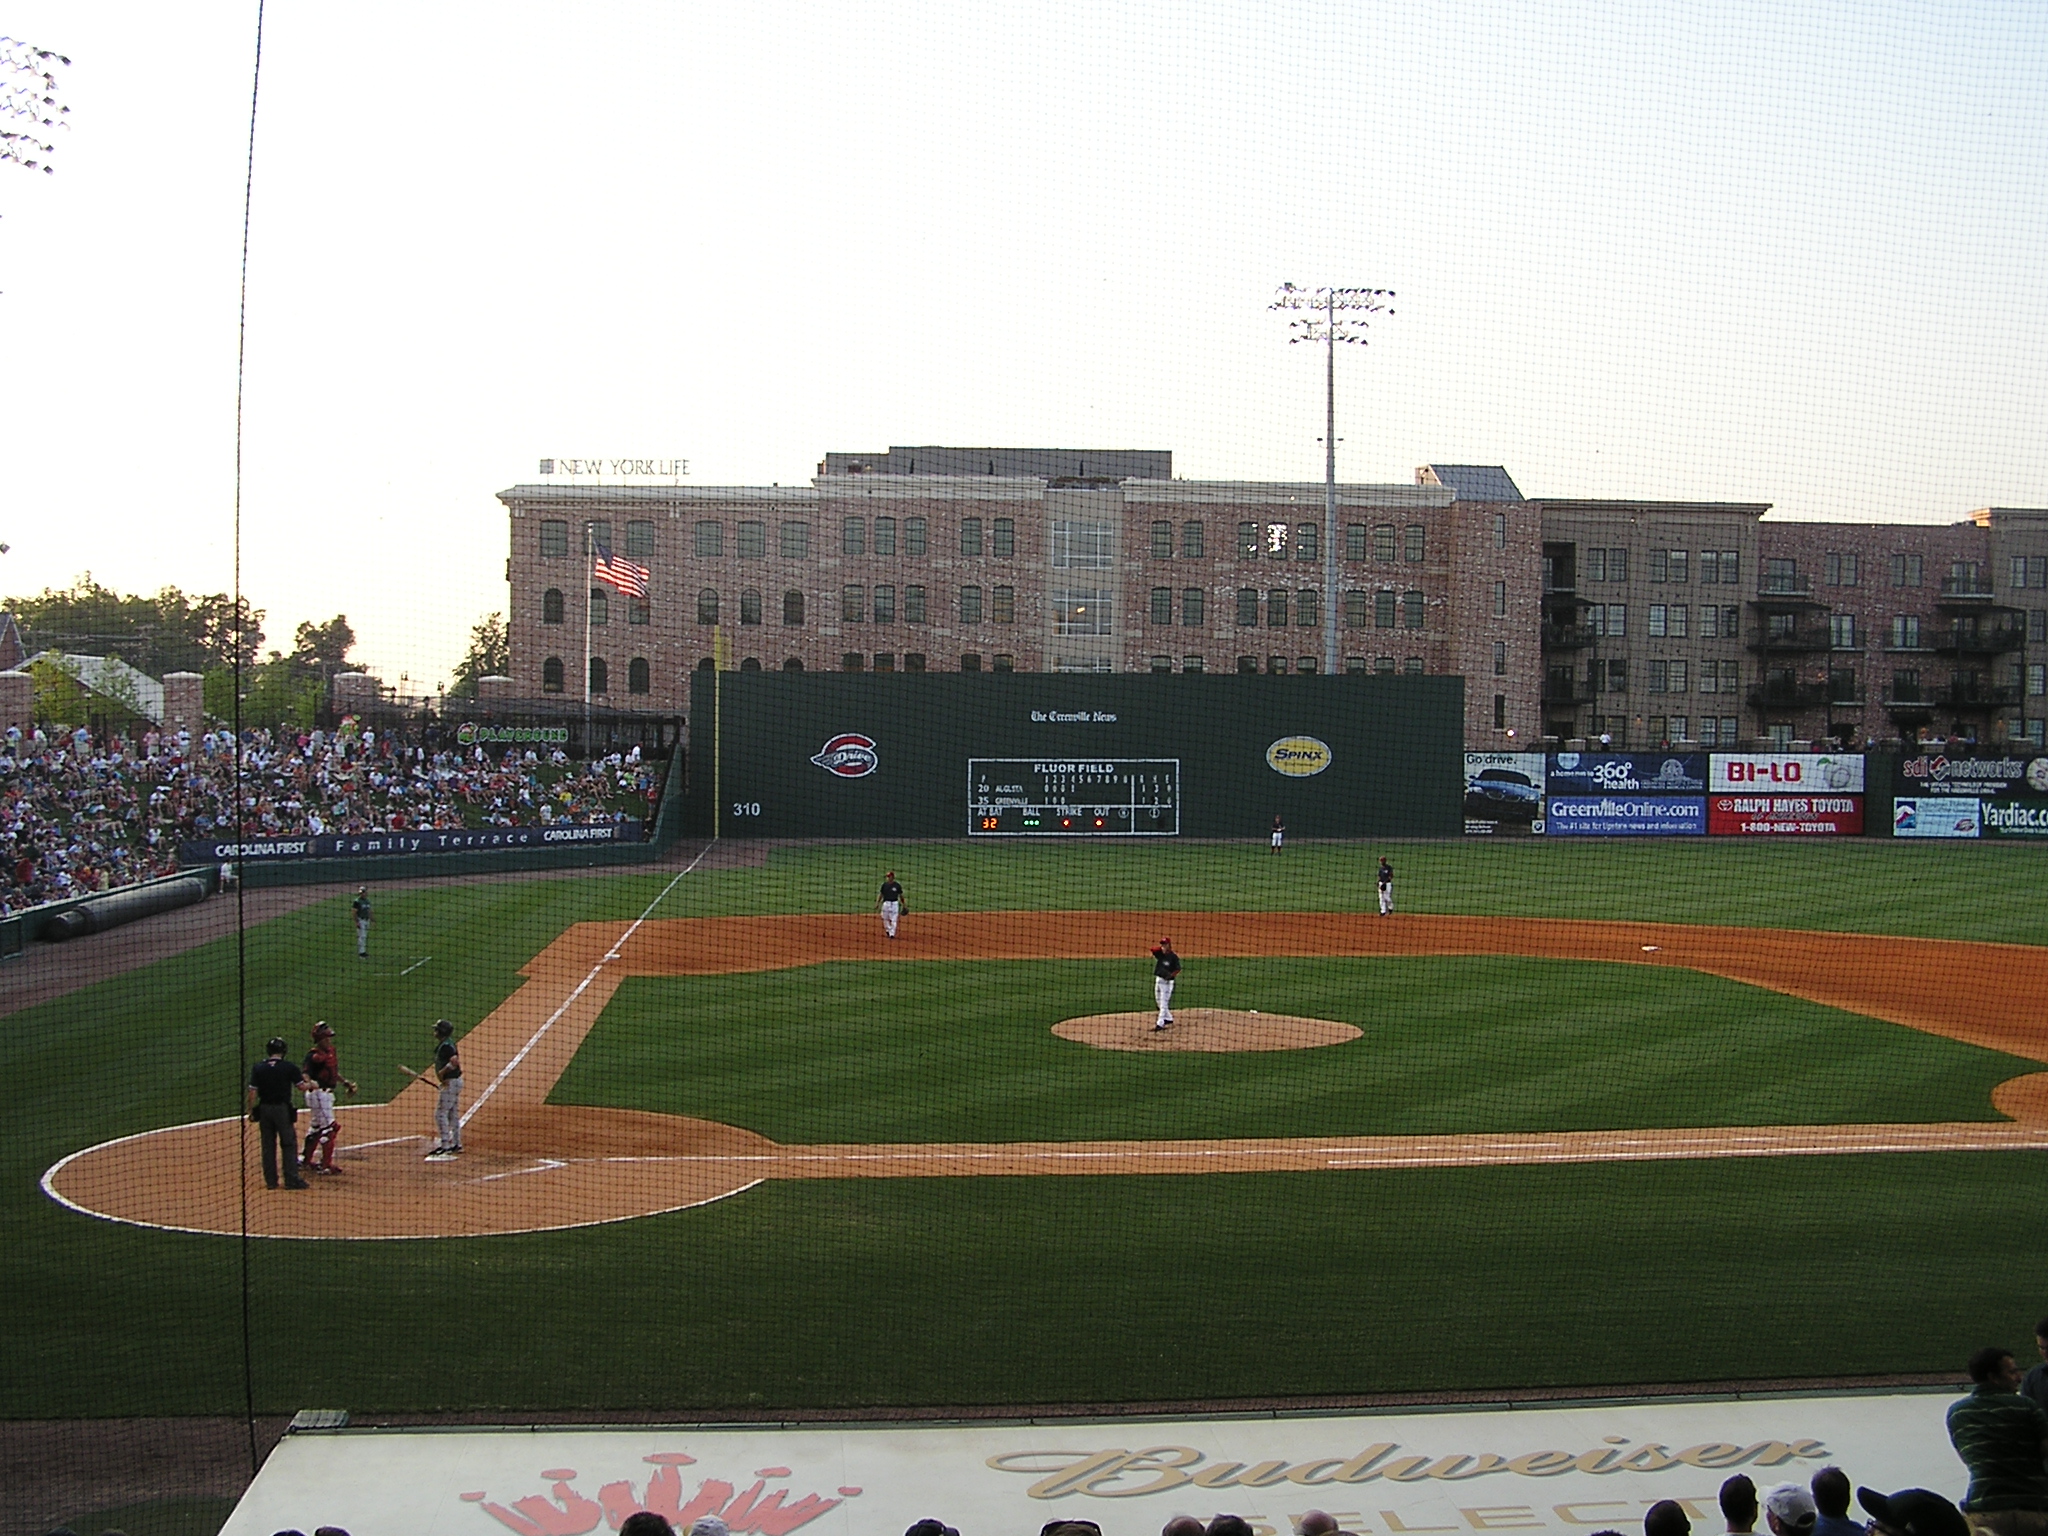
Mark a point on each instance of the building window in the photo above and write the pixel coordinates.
(637, 671)
(1247, 541)
(640, 540)
(1383, 606)
(1676, 672)
(1003, 540)
(1906, 685)
(1681, 620)
(1500, 530)
(913, 605)
(914, 530)
(1679, 560)
(853, 537)
(1276, 540)
(970, 539)
(638, 610)
(751, 664)
(852, 661)
(1411, 610)
(599, 534)
(1596, 565)
(750, 606)
(1162, 548)
(1660, 565)
(1383, 541)
(1308, 609)
(971, 662)
(1354, 541)
(913, 661)
(551, 670)
(885, 536)
(1500, 599)
(1003, 605)
(1384, 666)
(885, 661)
(792, 609)
(600, 675)
(1081, 611)
(1191, 541)
(1247, 665)
(600, 606)
(1079, 546)
(1191, 664)
(2037, 680)
(1162, 663)
(1276, 608)
(1500, 711)
(1710, 623)
(1906, 570)
(853, 604)
(1839, 570)
(551, 606)
(1005, 663)
(796, 541)
(1842, 631)
(1306, 666)
(970, 605)
(1412, 544)
(1162, 599)
(1356, 606)
(1657, 618)
(707, 606)
(1905, 632)
(1191, 606)
(1276, 666)
(1307, 541)
(2037, 625)
(554, 542)
(885, 604)
(1617, 620)
(1247, 607)
(1657, 678)
(1500, 658)
(710, 541)
(1413, 666)
(1617, 674)
(753, 541)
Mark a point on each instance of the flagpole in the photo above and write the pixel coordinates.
(589, 577)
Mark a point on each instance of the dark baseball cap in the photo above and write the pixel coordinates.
(1914, 1511)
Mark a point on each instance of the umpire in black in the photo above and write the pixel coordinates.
(269, 1102)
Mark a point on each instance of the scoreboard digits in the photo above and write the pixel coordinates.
(1073, 797)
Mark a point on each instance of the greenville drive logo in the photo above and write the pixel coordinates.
(564, 1511)
(851, 756)
(1299, 757)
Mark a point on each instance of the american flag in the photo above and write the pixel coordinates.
(616, 571)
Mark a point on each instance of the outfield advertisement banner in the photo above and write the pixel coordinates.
(1985, 777)
(1929, 817)
(1504, 794)
(1785, 815)
(1566, 1470)
(274, 850)
(1626, 816)
(1768, 773)
(2016, 818)
(1627, 773)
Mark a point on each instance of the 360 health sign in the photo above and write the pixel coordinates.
(1298, 757)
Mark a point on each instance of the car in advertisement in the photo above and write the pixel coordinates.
(1504, 793)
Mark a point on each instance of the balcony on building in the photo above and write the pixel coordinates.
(1983, 634)
(1789, 639)
(1965, 694)
(1965, 590)
(1779, 694)
(1782, 590)
(1565, 691)
(1566, 636)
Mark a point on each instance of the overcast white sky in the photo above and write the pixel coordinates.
(1777, 252)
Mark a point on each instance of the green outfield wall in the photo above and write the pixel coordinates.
(1047, 755)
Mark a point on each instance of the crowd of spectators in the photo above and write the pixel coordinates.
(81, 814)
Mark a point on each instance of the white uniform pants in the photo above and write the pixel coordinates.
(1163, 990)
(448, 1116)
(362, 935)
(891, 912)
(1277, 837)
(1386, 900)
(320, 1105)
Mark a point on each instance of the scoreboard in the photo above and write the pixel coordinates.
(1073, 797)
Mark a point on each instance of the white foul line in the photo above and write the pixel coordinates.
(546, 1165)
(415, 965)
(581, 987)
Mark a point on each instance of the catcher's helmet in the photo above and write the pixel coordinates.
(322, 1028)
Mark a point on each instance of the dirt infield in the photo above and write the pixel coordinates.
(531, 1166)
(1206, 1029)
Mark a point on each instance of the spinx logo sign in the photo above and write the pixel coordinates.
(1299, 757)
(850, 756)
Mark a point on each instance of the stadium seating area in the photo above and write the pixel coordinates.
(80, 815)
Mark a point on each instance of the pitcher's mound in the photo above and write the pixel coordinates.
(1206, 1029)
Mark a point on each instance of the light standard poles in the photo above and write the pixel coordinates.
(1330, 315)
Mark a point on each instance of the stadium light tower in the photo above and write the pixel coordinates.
(1330, 315)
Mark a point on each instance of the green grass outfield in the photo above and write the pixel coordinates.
(937, 1291)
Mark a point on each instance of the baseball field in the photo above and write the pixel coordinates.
(1577, 1115)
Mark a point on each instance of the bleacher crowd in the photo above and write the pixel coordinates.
(81, 814)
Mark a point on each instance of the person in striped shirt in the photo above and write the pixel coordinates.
(2002, 1438)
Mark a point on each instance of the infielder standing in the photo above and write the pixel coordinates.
(1386, 887)
(1165, 968)
(1279, 833)
(890, 904)
(361, 908)
(323, 1076)
(448, 1107)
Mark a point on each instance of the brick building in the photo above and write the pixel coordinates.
(1649, 621)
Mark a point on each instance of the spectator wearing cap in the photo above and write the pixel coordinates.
(2002, 1438)
(1789, 1511)
(2035, 1384)
(1830, 1487)
(1912, 1512)
(1739, 1507)
(1666, 1517)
